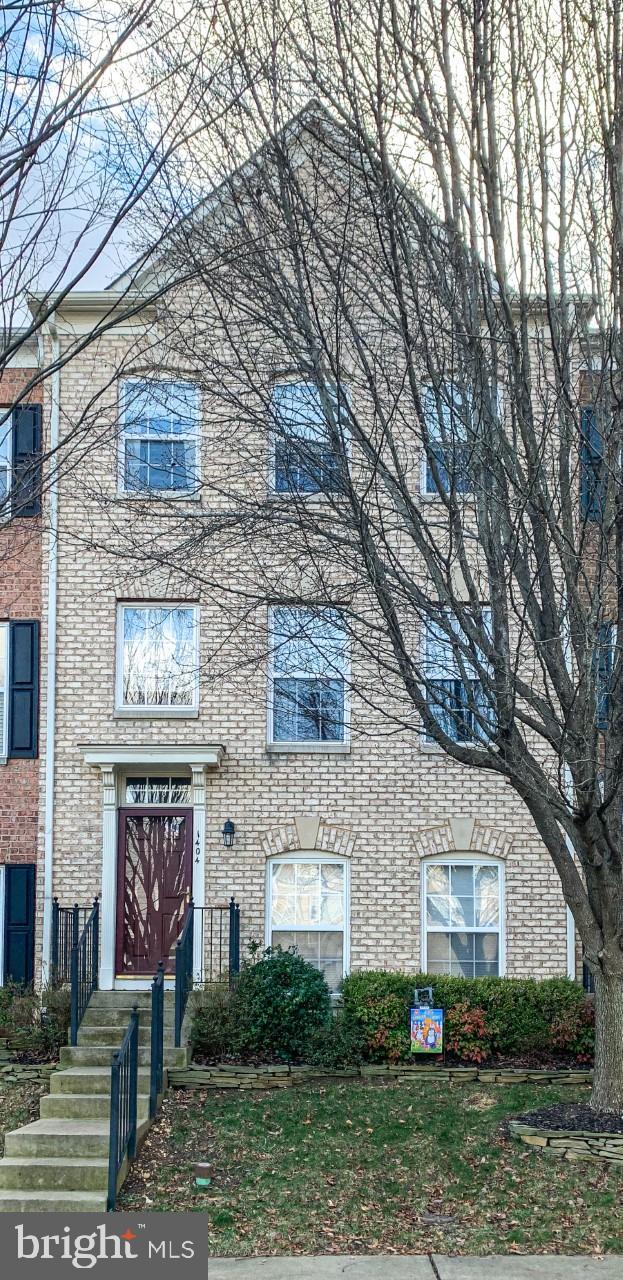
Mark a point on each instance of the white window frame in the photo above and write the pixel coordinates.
(425, 492)
(430, 743)
(158, 711)
(332, 746)
(292, 380)
(7, 426)
(154, 775)
(163, 495)
(468, 859)
(4, 718)
(316, 857)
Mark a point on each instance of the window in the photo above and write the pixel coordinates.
(307, 909)
(158, 657)
(157, 790)
(305, 460)
(454, 693)
(445, 410)
(308, 676)
(20, 461)
(160, 442)
(4, 689)
(593, 478)
(19, 690)
(602, 671)
(463, 918)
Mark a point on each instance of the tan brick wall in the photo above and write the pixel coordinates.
(20, 597)
(383, 794)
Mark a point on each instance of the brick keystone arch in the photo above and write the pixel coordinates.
(307, 832)
(465, 835)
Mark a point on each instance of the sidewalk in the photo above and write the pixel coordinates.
(420, 1267)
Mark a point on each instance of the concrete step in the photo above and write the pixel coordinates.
(100, 1016)
(100, 1055)
(59, 1138)
(52, 1202)
(85, 1106)
(91, 1080)
(125, 999)
(31, 1173)
(114, 1035)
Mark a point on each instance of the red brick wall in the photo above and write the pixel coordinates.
(20, 597)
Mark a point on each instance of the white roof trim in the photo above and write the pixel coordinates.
(154, 753)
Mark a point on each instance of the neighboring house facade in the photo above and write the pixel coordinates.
(20, 618)
(362, 852)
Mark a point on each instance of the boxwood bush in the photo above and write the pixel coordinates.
(278, 1005)
(515, 1016)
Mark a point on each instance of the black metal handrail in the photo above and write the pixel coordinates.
(67, 923)
(123, 1105)
(184, 970)
(84, 966)
(234, 939)
(218, 927)
(156, 1076)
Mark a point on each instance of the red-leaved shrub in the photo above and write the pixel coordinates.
(467, 1033)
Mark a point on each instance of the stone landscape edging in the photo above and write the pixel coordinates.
(571, 1144)
(283, 1077)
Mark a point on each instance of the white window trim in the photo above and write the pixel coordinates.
(294, 380)
(429, 744)
(159, 711)
(317, 857)
(153, 775)
(4, 721)
(6, 514)
(339, 747)
(471, 860)
(157, 495)
(430, 495)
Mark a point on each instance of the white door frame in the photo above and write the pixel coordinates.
(113, 763)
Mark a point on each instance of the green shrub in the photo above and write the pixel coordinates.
(55, 1018)
(211, 1031)
(278, 1003)
(338, 1043)
(519, 1014)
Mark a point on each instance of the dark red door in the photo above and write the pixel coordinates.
(153, 886)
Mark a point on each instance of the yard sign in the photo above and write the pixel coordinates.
(426, 1029)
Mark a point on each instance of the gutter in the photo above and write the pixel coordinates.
(52, 588)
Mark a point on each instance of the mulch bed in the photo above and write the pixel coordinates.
(572, 1116)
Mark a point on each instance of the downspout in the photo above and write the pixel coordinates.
(50, 726)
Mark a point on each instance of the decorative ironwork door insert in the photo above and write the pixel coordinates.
(153, 887)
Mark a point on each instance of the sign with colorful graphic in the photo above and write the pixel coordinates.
(426, 1029)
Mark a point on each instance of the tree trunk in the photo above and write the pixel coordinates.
(607, 1094)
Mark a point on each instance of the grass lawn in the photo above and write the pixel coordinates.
(19, 1104)
(364, 1168)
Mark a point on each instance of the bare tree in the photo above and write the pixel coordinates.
(436, 254)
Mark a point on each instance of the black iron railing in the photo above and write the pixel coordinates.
(219, 930)
(84, 966)
(157, 1041)
(67, 923)
(184, 969)
(123, 1105)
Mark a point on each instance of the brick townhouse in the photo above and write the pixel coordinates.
(160, 783)
(20, 615)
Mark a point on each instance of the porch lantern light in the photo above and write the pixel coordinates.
(229, 832)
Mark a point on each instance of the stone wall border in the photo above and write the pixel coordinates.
(571, 1144)
(225, 1076)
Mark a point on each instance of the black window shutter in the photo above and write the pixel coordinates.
(26, 496)
(23, 690)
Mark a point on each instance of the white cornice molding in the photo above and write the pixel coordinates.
(193, 757)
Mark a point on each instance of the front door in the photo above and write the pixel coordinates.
(153, 887)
